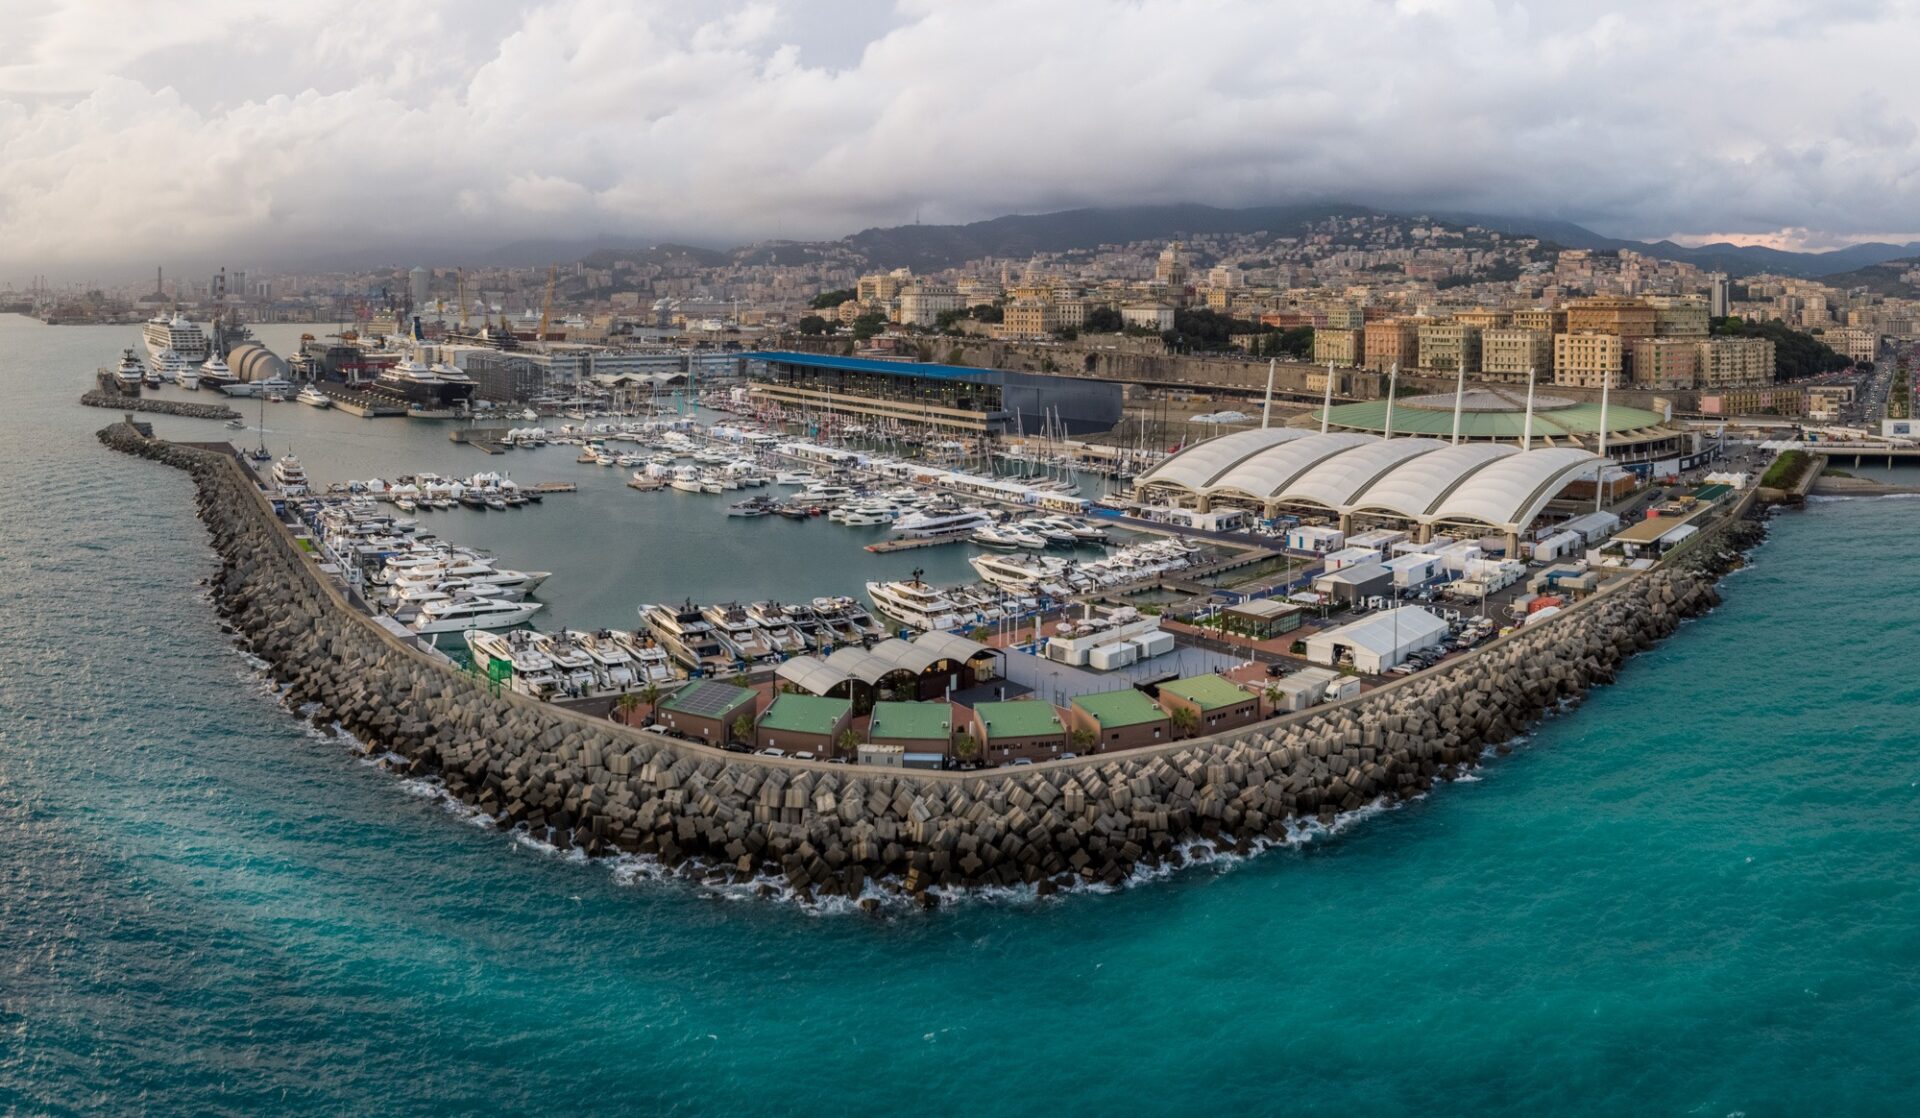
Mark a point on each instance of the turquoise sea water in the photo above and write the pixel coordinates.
(1696, 894)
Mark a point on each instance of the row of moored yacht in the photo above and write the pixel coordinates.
(426, 584)
(715, 637)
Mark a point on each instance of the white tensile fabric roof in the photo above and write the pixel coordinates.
(1515, 489)
(1414, 487)
(1421, 480)
(814, 676)
(1273, 469)
(1196, 467)
(951, 646)
(1338, 480)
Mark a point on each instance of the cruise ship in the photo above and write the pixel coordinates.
(427, 388)
(177, 334)
(915, 604)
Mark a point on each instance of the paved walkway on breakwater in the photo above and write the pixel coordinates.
(186, 409)
(840, 830)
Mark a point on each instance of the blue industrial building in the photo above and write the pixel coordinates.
(954, 398)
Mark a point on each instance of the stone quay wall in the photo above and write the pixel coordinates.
(101, 398)
(834, 830)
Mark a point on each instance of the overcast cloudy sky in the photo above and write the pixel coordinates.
(254, 132)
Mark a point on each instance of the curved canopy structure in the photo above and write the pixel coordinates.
(1263, 475)
(904, 656)
(1196, 468)
(858, 663)
(1413, 489)
(1514, 489)
(1419, 480)
(816, 677)
(1339, 481)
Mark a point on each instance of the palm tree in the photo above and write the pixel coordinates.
(966, 747)
(847, 742)
(743, 729)
(650, 694)
(1185, 722)
(1083, 740)
(627, 704)
(1274, 696)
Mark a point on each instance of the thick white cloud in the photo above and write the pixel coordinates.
(131, 133)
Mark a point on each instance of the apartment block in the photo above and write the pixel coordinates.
(1391, 342)
(1450, 347)
(1507, 353)
(1547, 320)
(923, 303)
(1341, 347)
(1679, 316)
(1665, 362)
(1736, 363)
(1589, 360)
(1611, 314)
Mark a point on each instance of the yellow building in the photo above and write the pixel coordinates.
(1029, 318)
(1485, 318)
(1341, 347)
(1611, 314)
(1450, 347)
(1547, 320)
(1589, 360)
(1507, 353)
(881, 287)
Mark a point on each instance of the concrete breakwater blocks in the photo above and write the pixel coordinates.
(834, 830)
(183, 408)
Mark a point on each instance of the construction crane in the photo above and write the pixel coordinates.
(546, 310)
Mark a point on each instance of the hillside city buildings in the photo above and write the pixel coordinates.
(1375, 292)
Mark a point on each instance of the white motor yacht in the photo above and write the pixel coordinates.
(517, 659)
(941, 525)
(290, 476)
(687, 636)
(313, 397)
(1050, 530)
(738, 631)
(456, 615)
(130, 374)
(571, 660)
(915, 604)
(651, 662)
(776, 627)
(614, 668)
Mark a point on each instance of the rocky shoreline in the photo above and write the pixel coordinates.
(855, 832)
(185, 409)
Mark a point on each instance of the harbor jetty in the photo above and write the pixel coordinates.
(862, 832)
(185, 409)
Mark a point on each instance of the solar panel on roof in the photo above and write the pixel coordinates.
(706, 699)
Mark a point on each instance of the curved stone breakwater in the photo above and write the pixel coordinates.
(185, 409)
(851, 831)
